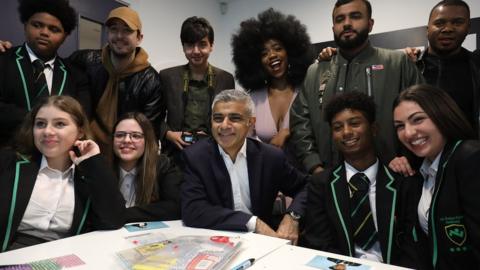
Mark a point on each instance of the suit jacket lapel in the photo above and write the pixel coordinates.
(221, 176)
(386, 202)
(341, 200)
(178, 90)
(59, 77)
(254, 164)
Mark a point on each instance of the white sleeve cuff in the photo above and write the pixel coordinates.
(252, 224)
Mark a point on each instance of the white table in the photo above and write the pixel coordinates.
(292, 257)
(97, 249)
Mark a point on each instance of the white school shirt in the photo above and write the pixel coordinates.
(429, 172)
(49, 213)
(127, 186)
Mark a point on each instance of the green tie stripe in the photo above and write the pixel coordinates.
(363, 223)
(41, 90)
(373, 236)
(359, 204)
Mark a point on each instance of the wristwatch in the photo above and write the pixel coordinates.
(295, 215)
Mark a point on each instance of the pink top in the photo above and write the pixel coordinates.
(265, 127)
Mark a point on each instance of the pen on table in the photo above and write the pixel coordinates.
(244, 265)
(136, 235)
(140, 224)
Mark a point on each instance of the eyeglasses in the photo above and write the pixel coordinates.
(232, 117)
(134, 136)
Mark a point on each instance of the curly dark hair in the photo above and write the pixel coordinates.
(248, 44)
(60, 9)
(351, 100)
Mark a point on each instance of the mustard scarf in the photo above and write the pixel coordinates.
(106, 111)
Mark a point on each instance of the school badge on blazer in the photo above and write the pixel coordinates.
(456, 233)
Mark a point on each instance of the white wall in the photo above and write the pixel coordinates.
(162, 20)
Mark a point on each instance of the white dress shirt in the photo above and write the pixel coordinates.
(48, 71)
(127, 186)
(49, 213)
(374, 253)
(429, 172)
(238, 172)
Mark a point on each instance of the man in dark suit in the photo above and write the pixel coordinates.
(189, 89)
(352, 209)
(34, 70)
(231, 181)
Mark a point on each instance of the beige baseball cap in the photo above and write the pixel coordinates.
(128, 15)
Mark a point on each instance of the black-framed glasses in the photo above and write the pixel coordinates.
(232, 117)
(134, 136)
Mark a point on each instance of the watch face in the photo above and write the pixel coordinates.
(294, 215)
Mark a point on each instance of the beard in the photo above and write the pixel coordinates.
(352, 43)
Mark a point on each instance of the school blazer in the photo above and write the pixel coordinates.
(327, 224)
(98, 202)
(453, 240)
(17, 93)
(167, 207)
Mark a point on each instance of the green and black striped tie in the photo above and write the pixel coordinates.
(40, 82)
(364, 232)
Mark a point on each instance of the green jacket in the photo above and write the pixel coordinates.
(379, 72)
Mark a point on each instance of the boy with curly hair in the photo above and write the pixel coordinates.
(34, 70)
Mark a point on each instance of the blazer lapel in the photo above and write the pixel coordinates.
(59, 77)
(341, 200)
(20, 181)
(255, 165)
(221, 176)
(448, 151)
(386, 204)
(82, 205)
(25, 175)
(25, 71)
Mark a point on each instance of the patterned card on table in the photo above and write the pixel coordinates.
(57, 263)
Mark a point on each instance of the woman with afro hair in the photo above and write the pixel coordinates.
(271, 54)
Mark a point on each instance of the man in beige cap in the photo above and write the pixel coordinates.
(121, 78)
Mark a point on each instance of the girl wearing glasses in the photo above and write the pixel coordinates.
(49, 189)
(149, 182)
(446, 205)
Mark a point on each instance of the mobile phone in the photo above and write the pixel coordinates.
(76, 151)
(189, 138)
